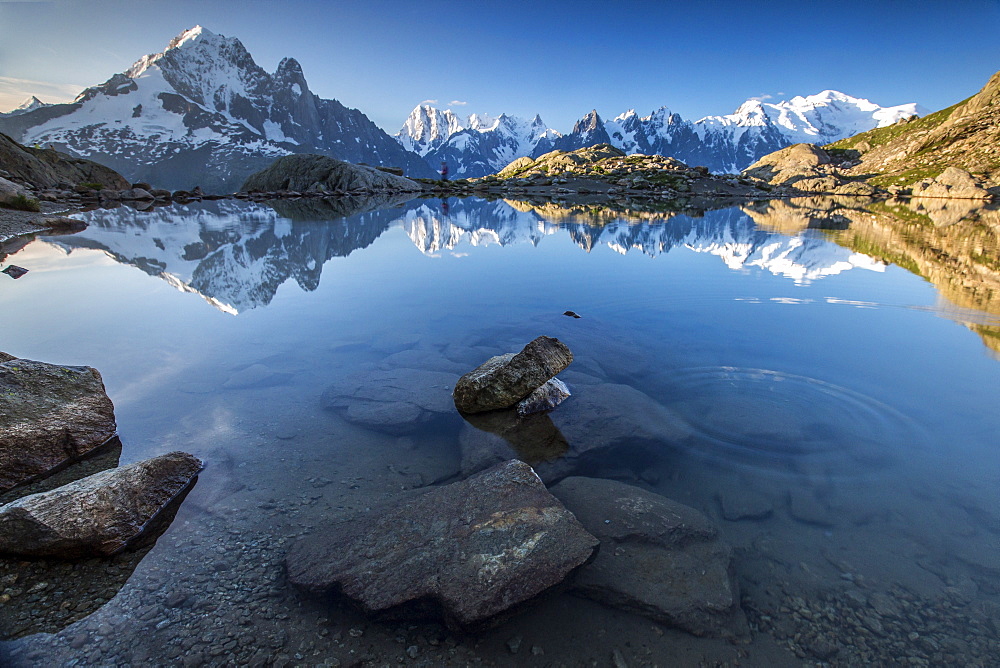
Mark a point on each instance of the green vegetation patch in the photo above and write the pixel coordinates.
(881, 136)
(23, 203)
(871, 248)
(906, 178)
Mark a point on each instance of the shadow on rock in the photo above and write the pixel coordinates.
(103, 458)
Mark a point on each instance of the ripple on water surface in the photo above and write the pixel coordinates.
(762, 419)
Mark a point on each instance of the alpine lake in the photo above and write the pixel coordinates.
(833, 366)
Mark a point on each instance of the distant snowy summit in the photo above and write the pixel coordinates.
(202, 112)
(30, 104)
(480, 145)
(474, 145)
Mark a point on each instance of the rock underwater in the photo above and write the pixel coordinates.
(658, 558)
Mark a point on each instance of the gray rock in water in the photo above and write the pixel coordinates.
(50, 415)
(98, 515)
(395, 401)
(658, 558)
(544, 398)
(307, 172)
(504, 380)
(467, 551)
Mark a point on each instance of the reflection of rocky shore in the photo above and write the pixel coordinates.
(953, 244)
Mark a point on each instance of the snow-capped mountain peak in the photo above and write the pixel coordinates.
(202, 112)
(30, 104)
(475, 145)
(190, 36)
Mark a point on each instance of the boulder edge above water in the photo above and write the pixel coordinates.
(99, 515)
(50, 416)
(305, 172)
(504, 380)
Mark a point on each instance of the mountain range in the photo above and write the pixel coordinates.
(480, 145)
(202, 112)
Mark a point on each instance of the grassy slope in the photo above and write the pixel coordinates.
(921, 158)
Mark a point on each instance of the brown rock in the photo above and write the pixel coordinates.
(467, 551)
(50, 415)
(504, 380)
(98, 515)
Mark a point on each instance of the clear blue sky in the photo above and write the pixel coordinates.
(559, 59)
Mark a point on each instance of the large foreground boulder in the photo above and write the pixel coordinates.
(98, 515)
(466, 551)
(658, 558)
(310, 173)
(48, 168)
(504, 380)
(50, 416)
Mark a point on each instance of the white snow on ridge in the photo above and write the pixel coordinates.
(151, 120)
(821, 118)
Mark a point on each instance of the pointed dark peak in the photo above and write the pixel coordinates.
(288, 67)
(588, 123)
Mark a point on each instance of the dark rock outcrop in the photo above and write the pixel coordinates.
(99, 515)
(48, 168)
(658, 558)
(504, 380)
(50, 415)
(311, 173)
(467, 551)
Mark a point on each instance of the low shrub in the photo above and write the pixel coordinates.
(23, 203)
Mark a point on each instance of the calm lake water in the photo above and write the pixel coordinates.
(835, 368)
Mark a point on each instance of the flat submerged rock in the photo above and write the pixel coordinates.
(658, 558)
(465, 552)
(50, 416)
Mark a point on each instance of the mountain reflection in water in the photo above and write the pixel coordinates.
(236, 254)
